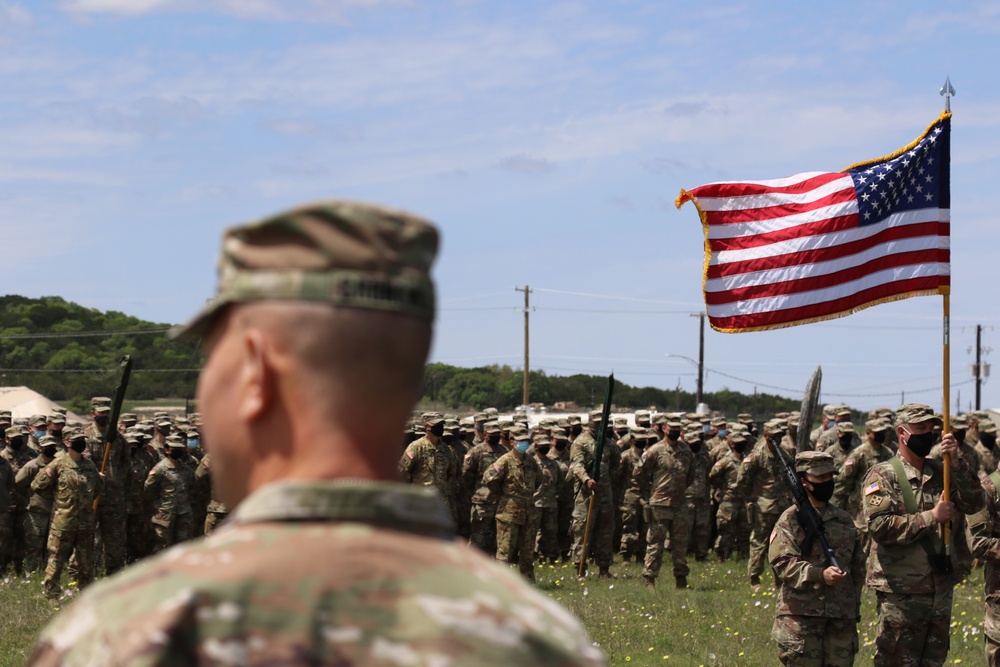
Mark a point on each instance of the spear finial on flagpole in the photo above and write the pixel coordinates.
(948, 91)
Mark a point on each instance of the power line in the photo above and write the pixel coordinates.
(85, 334)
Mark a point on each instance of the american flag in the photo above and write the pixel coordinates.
(819, 245)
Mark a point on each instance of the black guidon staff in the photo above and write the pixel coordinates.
(111, 430)
(595, 471)
(809, 518)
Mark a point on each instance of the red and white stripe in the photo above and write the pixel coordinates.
(789, 251)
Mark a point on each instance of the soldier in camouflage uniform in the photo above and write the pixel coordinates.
(167, 491)
(36, 524)
(327, 559)
(7, 495)
(600, 542)
(633, 508)
(843, 446)
(761, 484)
(75, 483)
(560, 454)
(699, 498)
(512, 480)
(732, 524)
(483, 525)
(847, 488)
(819, 605)
(986, 446)
(429, 461)
(984, 538)
(461, 493)
(664, 473)
(138, 529)
(965, 450)
(112, 516)
(216, 510)
(17, 455)
(547, 499)
(914, 595)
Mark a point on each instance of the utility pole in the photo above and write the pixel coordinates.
(527, 290)
(979, 364)
(699, 391)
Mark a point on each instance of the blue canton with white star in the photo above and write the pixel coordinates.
(917, 179)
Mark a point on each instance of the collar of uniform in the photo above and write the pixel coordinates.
(402, 506)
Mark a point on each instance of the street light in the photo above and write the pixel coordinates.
(701, 372)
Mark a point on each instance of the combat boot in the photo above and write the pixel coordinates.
(605, 573)
(649, 583)
(682, 581)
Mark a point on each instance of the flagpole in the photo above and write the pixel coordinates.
(947, 91)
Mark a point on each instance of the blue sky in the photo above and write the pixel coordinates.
(547, 140)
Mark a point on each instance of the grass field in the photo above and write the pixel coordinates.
(718, 621)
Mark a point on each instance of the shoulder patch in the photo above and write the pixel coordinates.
(848, 462)
(872, 488)
(496, 466)
(410, 454)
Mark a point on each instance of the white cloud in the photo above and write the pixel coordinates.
(335, 11)
(126, 7)
(13, 14)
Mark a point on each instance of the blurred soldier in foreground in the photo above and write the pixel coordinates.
(316, 344)
(819, 605)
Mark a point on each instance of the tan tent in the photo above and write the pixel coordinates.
(23, 402)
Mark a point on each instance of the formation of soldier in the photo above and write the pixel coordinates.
(692, 484)
(64, 505)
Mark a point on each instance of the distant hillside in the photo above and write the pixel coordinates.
(70, 353)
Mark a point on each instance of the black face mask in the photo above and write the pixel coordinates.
(101, 421)
(79, 446)
(822, 491)
(493, 439)
(176, 454)
(846, 441)
(740, 447)
(879, 437)
(696, 446)
(959, 435)
(988, 439)
(561, 445)
(576, 429)
(437, 429)
(673, 435)
(16, 443)
(921, 444)
(56, 434)
(543, 450)
(49, 451)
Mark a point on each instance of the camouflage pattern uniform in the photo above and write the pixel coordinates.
(547, 501)
(426, 464)
(815, 624)
(732, 524)
(112, 517)
(664, 473)
(7, 495)
(401, 590)
(75, 485)
(989, 455)
(483, 525)
(461, 492)
(600, 543)
(837, 450)
(567, 494)
(633, 508)
(18, 508)
(36, 525)
(216, 511)
(847, 485)
(760, 483)
(138, 529)
(699, 502)
(168, 491)
(914, 599)
(984, 537)
(512, 479)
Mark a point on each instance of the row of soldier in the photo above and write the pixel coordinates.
(58, 508)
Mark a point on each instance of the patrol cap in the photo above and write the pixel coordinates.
(74, 435)
(914, 413)
(744, 418)
(843, 412)
(792, 420)
(987, 426)
(47, 440)
(674, 423)
(175, 441)
(660, 419)
(492, 427)
(735, 436)
(129, 418)
(876, 425)
(491, 413)
(519, 433)
(541, 440)
(480, 418)
(98, 401)
(620, 422)
(163, 422)
(506, 425)
(959, 422)
(830, 411)
(57, 418)
(432, 418)
(782, 415)
(692, 437)
(774, 426)
(14, 432)
(348, 254)
(719, 422)
(814, 463)
(574, 420)
(563, 423)
(845, 427)
(557, 433)
(642, 416)
(594, 416)
(452, 426)
(38, 420)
